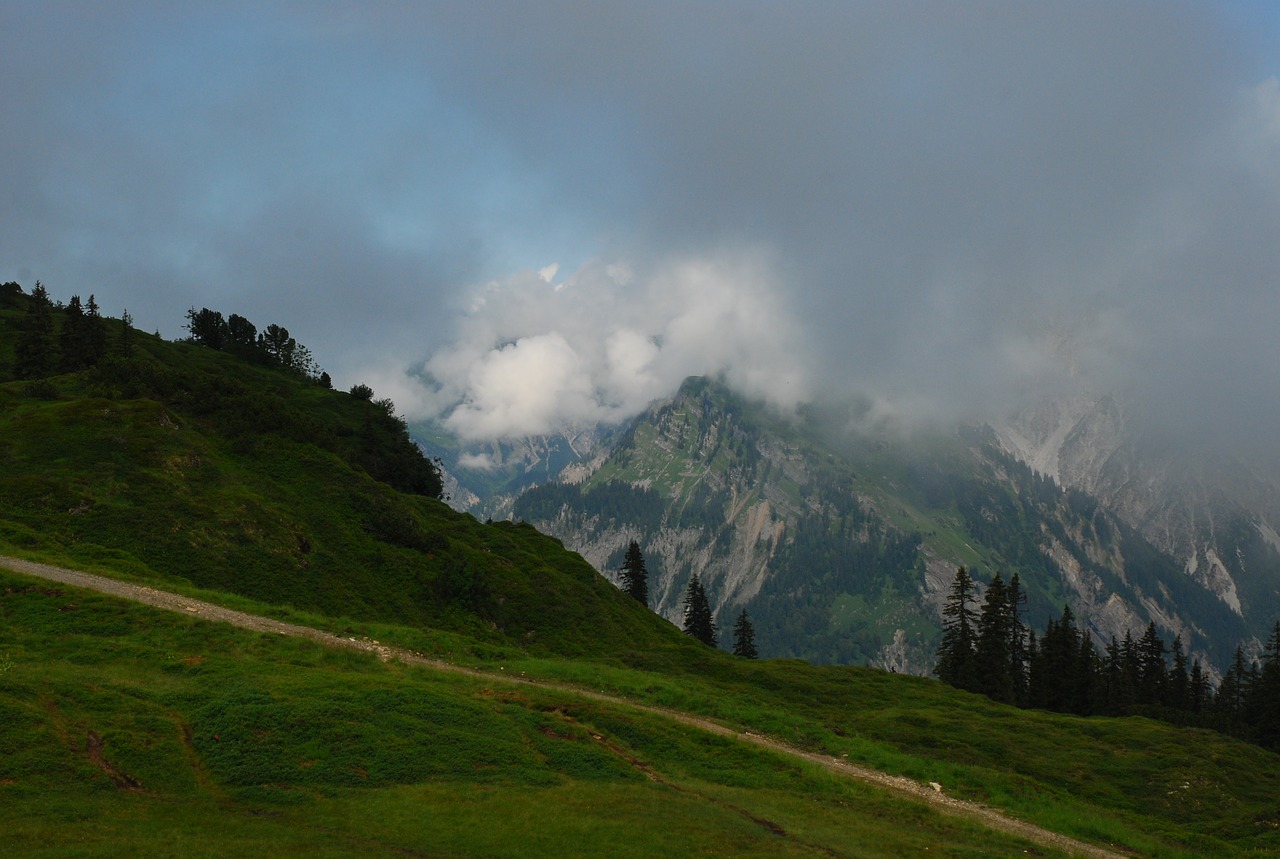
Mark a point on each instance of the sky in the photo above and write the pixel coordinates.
(516, 216)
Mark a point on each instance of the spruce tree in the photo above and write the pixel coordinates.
(992, 675)
(95, 332)
(73, 340)
(698, 620)
(1266, 694)
(35, 354)
(1178, 692)
(634, 576)
(1018, 648)
(1153, 679)
(744, 637)
(124, 345)
(955, 652)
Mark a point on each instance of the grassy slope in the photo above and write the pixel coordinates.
(150, 481)
(333, 754)
(130, 731)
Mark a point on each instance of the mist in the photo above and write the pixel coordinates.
(513, 217)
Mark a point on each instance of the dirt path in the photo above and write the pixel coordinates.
(175, 602)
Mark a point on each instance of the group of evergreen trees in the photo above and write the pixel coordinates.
(988, 649)
(238, 335)
(699, 620)
(57, 339)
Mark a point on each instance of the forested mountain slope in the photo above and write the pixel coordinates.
(840, 544)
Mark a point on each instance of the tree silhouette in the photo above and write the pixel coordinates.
(35, 354)
(955, 652)
(698, 621)
(744, 637)
(635, 578)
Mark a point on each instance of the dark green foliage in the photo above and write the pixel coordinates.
(278, 346)
(35, 354)
(698, 621)
(993, 656)
(744, 637)
(237, 335)
(616, 502)
(1065, 673)
(362, 392)
(207, 327)
(955, 664)
(125, 340)
(634, 577)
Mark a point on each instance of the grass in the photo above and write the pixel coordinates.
(216, 741)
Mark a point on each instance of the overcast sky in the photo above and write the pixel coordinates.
(516, 214)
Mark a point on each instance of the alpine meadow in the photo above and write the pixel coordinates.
(535, 428)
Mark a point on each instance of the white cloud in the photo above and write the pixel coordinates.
(608, 341)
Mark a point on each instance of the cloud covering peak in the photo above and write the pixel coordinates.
(530, 356)
(943, 207)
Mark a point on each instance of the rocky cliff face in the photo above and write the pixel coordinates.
(1216, 517)
(842, 548)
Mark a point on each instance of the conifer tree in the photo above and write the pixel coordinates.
(1178, 691)
(634, 576)
(1199, 693)
(1266, 693)
(95, 332)
(1231, 692)
(955, 651)
(35, 354)
(1154, 673)
(744, 637)
(1018, 653)
(73, 340)
(698, 620)
(124, 345)
(991, 674)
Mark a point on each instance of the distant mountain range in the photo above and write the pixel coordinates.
(841, 543)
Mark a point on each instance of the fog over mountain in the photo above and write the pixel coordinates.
(516, 215)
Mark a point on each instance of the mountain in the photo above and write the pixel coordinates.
(841, 543)
(1215, 515)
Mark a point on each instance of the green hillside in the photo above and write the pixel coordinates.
(133, 731)
(190, 466)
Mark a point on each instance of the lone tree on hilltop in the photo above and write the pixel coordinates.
(744, 637)
(698, 621)
(635, 578)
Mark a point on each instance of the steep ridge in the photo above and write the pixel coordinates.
(841, 544)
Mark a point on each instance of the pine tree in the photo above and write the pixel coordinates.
(1178, 692)
(1153, 679)
(1018, 653)
(124, 345)
(992, 676)
(1231, 692)
(634, 576)
(35, 355)
(73, 340)
(1266, 694)
(698, 620)
(744, 637)
(955, 651)
(95, 332)
(1198, 689)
